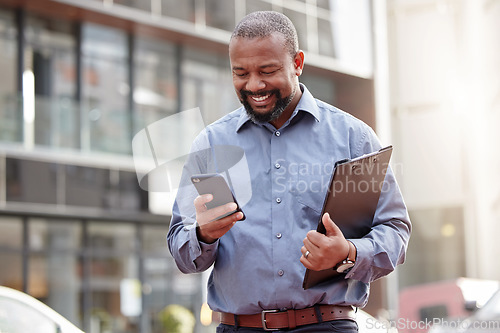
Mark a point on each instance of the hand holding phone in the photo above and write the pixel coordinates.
(213, 226)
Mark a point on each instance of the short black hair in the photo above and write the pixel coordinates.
(262, 24)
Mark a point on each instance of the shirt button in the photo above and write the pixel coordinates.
(278, 200)
(277, 165)
(281, 272)
(278, 235)
(277, 133)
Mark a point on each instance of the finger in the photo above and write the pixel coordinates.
(224, 223)
(306, 262)
(216, 213)
(311, 242)
(304, 250)
(220, 227)
(331, 228)
(201, 200)
(210, 231)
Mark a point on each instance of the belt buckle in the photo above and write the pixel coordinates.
(263, 317)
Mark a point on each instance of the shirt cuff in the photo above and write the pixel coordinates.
(361, 270)
(198, 248)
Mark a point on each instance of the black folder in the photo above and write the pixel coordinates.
(351, 201)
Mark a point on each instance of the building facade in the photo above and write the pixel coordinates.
(445, 107)
(79, 79)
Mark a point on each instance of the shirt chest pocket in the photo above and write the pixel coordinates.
(310, 190)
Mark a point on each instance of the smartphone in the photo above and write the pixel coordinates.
(216, 185)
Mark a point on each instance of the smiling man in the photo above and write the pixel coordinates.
(265, 77)
(259, 263)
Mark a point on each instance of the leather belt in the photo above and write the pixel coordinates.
(273, 320)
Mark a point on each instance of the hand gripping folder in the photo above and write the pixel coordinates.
(352, 200)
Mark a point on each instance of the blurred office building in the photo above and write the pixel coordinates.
(79, 78)
(445, 110)
(444, 65)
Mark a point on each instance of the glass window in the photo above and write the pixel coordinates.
(164, 284)
(139, 4)
(158, 268)
(220, 14)
(54, 265)
(154, 240)
(54, 235)
(256, 5)
(111, 238)
(326, 46)
(155, 73)
(321, 87)
(10, 120)
(11, 242)
(105, 90)
(49, 56)
(86, 186)
(11, 233)
(131, 196)
(437, 240)
(325, 4)
(12, 277)
(183, 10)
(31, 181)
(351, 30)
(207, 84)
(115, 292)
(103, 188)
(300, 22)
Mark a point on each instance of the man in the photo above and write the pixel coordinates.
(290, 141)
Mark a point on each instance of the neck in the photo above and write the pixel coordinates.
(287, 113)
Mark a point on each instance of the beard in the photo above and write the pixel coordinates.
(274, 113)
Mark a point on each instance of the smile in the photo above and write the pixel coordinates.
(260, 98)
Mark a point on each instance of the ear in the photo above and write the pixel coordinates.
(298, 62)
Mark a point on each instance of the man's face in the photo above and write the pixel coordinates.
(265, 77)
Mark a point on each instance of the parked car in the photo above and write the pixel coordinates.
(485, 320)
(22, 313)
(426, 305)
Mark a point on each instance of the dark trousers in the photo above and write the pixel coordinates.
(340, 326)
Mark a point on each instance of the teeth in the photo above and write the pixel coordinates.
(261, 98)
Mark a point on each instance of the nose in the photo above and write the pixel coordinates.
(255, 83)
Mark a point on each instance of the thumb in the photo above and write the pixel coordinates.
(331, 228)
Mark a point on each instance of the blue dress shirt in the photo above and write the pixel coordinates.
(256, 264)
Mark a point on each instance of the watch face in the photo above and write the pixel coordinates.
(344, 266)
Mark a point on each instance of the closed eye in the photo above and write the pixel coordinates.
(270, 72)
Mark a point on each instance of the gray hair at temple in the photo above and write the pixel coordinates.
(262, 24)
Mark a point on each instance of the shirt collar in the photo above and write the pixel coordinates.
(306, 103)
